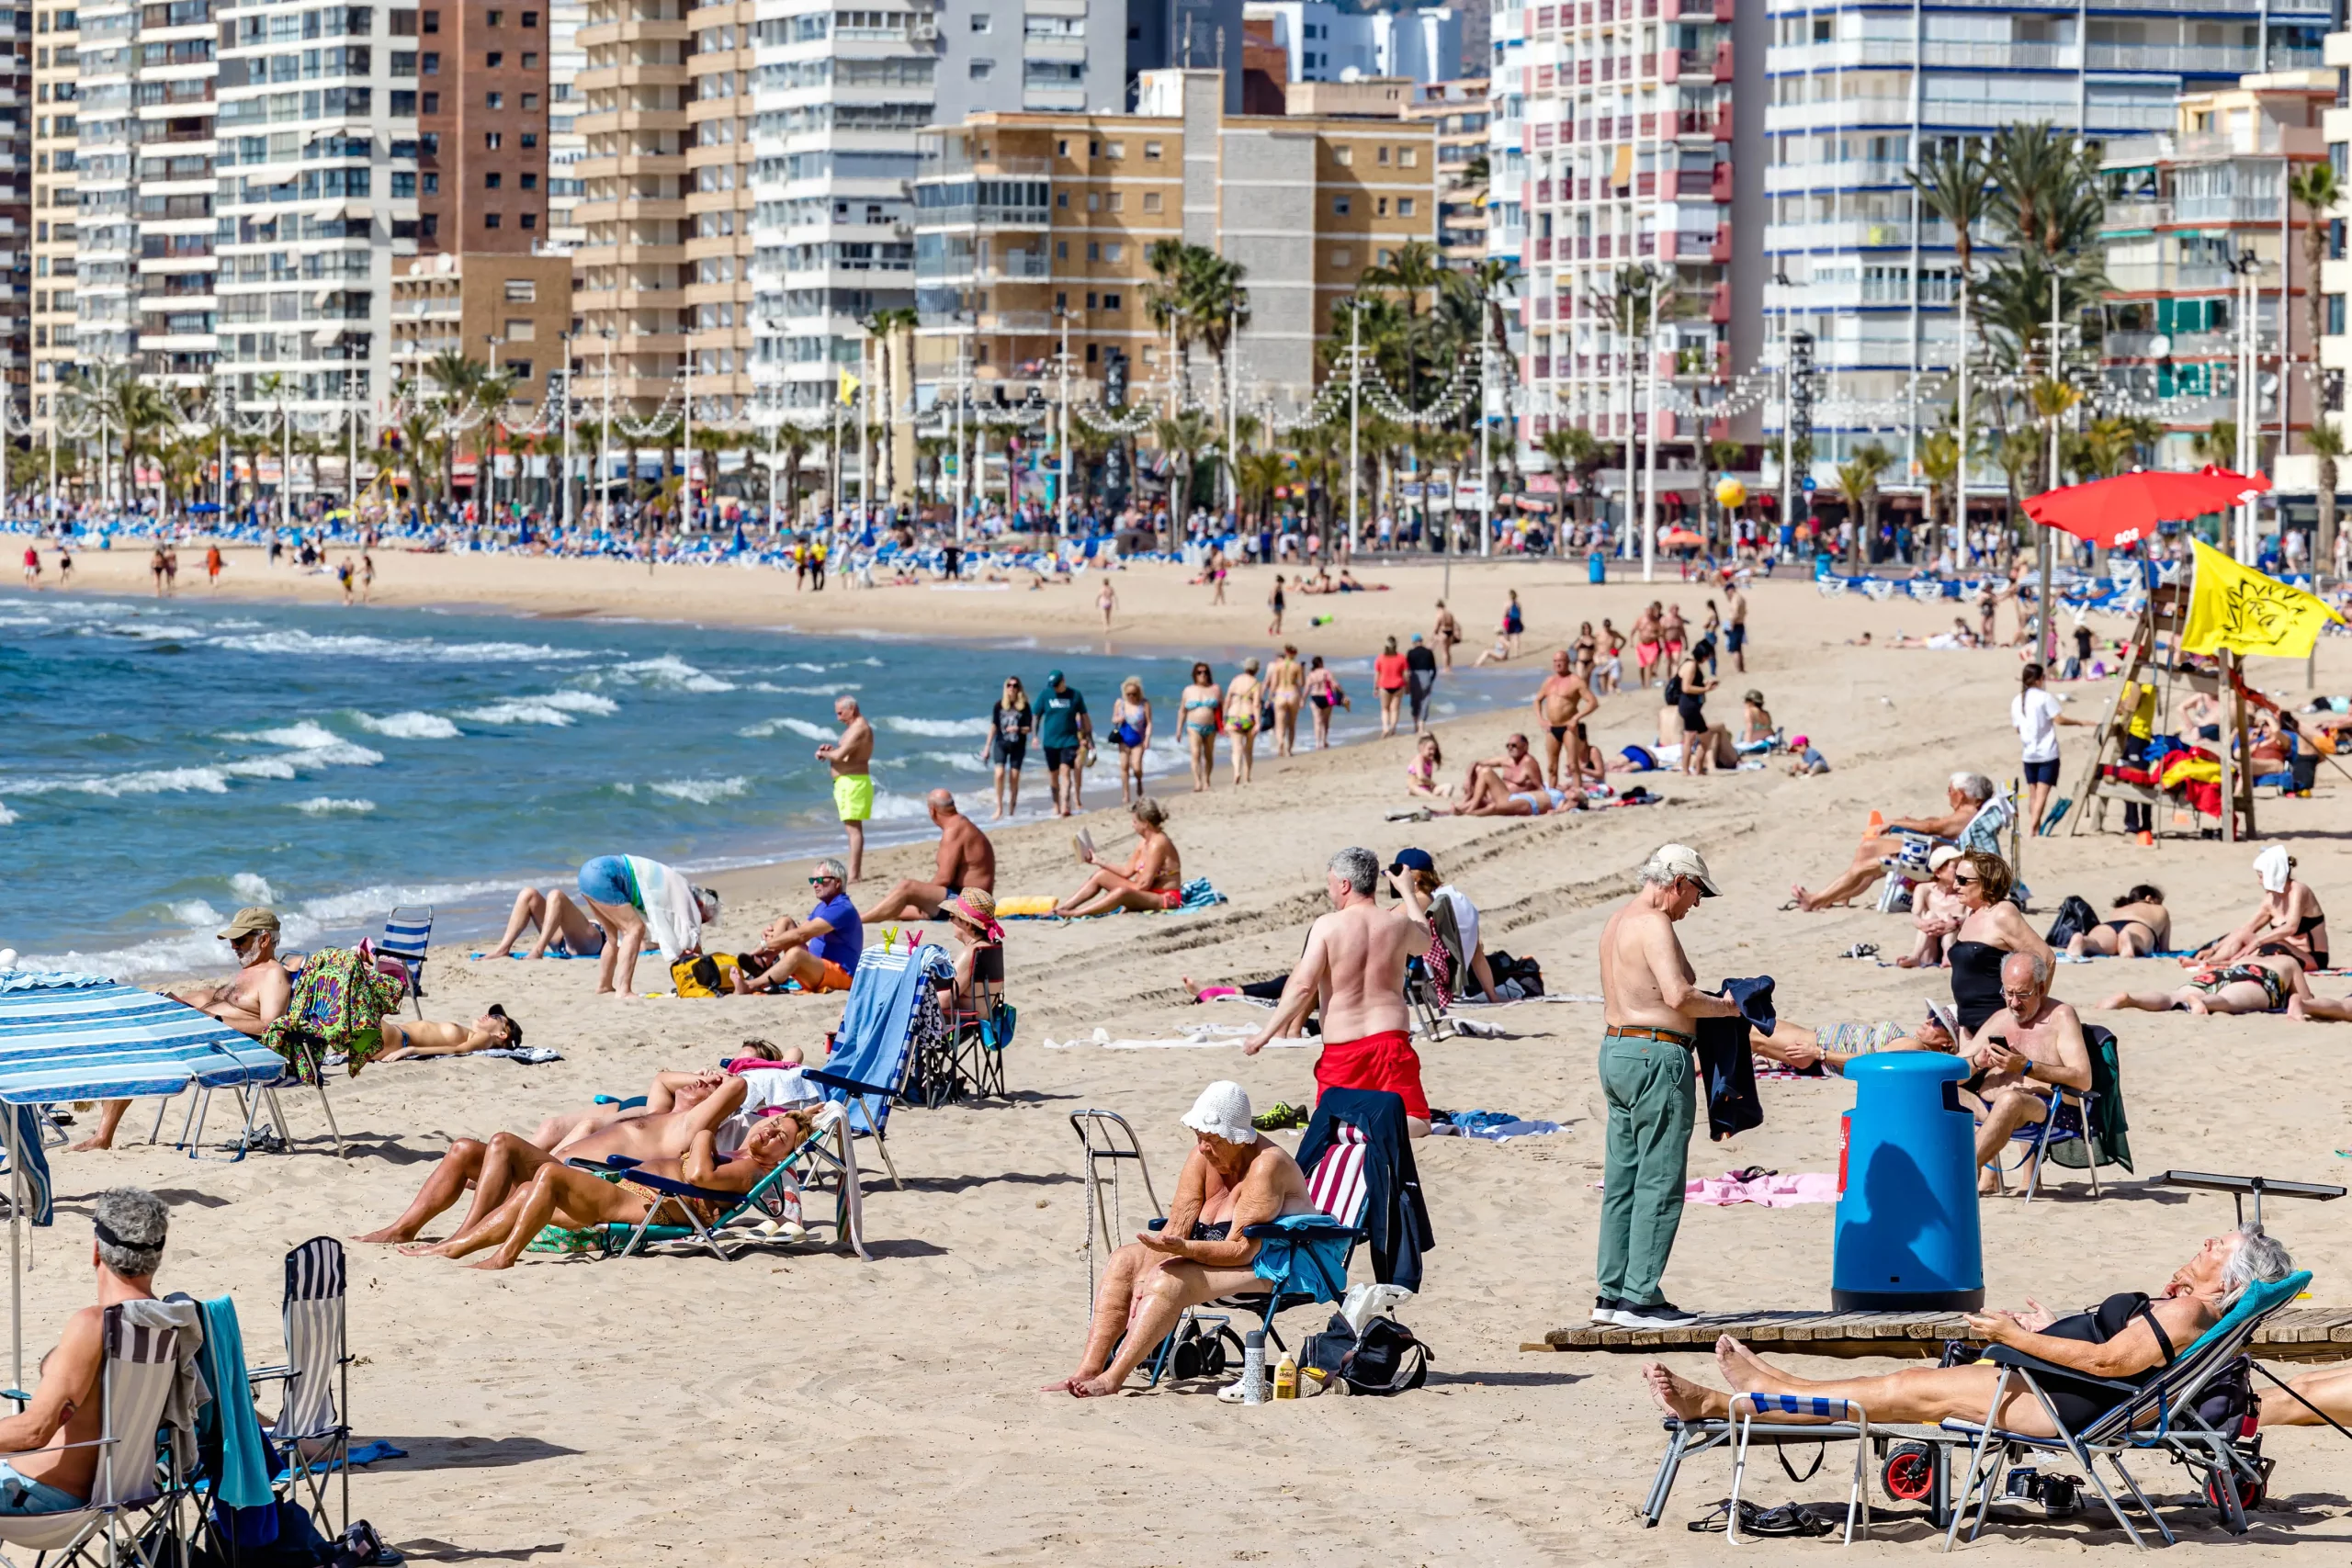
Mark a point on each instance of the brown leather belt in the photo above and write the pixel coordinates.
(1644, 1032)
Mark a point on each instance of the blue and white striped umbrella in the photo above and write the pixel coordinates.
(65, 1037)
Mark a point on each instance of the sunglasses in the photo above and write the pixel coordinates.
(1958, 881)
(820, 881)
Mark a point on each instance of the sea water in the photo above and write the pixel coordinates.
(164, 761)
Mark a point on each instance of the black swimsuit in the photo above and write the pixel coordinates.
(2082, 1403)
(1976, 982)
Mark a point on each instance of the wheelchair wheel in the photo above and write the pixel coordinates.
(2250, 1493)
(1908, 1473)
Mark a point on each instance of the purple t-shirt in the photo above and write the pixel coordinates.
(846, 940)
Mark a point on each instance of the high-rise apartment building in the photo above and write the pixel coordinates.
(56, 144)
(15, 208)
(1024, 221)
(1326, 42)
(719, 71)
(1633, 123)
(317, 194)
(566, 146)
(1858, 88)
(1459, 111)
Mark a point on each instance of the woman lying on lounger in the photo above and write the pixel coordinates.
(561, 1195)
(2126, 1339)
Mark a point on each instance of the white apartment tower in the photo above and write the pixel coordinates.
(317, 193)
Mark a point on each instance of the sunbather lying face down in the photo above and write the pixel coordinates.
(558, 1194)
(2116, 1340)
(1234, 1177)
(697, 1104)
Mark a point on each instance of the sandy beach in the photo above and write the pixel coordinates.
(788, 1409)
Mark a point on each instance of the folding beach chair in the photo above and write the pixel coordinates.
(141, 1368)
(983, 1027)
(408, 930)
(2161, 1414)
(766, 1210)
(2083, 1128)
(313, 1427)
(893, 1008)
(1428, 982)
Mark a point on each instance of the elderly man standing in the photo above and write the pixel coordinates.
(2032, 1044)
(851, 760)
(251, 1000)
(967, 859)
(1353, 970)
(1651, 1004)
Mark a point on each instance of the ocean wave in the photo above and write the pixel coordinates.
(409, 726)
(296, 643)
(890, 806)
(965, 761)
(194, 912)
(286, 765)
(253, 888)
(150, 632)
(554, 708)
(671, 672)
(938, 728)
(769, 727)
(830, 689)
(156, 781)
(702, 792)
(305, 734)
(7, 816)
(368, 904)
(327, 805)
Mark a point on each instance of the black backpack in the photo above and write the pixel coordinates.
(1526, 971)
(1388, 1358)
(2074, 917)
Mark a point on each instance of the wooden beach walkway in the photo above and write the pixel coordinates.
(2294, 1333)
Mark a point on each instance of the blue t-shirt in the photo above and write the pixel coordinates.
(1058, 714)
(846, 940)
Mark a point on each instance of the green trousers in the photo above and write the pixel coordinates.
(1652, 1103)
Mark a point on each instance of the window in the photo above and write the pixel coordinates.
(493, 59)
(1094, 202)
(520, 328)
(530, 100)
(531, 182)
(983, 69)
(1344, 156)
(490, 180)
(489, 140)
(530, 18)
(430, 104)
(1115, 148)
(1090, 300)
(493, 100)
(1093, 250)
(531, 220)
(1343, 257)
(1061, 147)
(1339, 206)
(1383, 209)
(1061, 198)
(431, 64)
(521, 290)
(1382, 157)
(403, 103)
(404, 184)
(432, 21)
(1151, 202)
(496, 17)
(1110, 301)
(1118, 201)
(429, 144)
(980, 22)
(490, 220)
(1061, 250)
(432, 185)
(530, 60)
(1113, 252)
(1403, 207)
(1408, 157)
(1151, 149)
(530, 140)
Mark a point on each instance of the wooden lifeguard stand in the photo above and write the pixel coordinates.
(2152, 658)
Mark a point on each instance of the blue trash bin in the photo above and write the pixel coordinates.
(1907, 1234)
(1596, 569)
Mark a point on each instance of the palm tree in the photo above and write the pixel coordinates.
(1415, 268)
(1182, 440)
(2317, 189)
(1574, 452)
(2219, 444)
(2324, 441)
(1954, 185)
(1939, 465)
(885, 326)
(1857, 479)
(1256, 478)
(1167, 305)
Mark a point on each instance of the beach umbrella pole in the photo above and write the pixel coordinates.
(16, 1246)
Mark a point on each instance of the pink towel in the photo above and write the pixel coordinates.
(1771, 1191)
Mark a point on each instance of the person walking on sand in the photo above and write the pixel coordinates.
(367, 577)
(1563, 702)
(1388, 679)
(1065, 731)
(1445, 634)
(1420, 680)
(32, 566)
(212, 564)
(155, 568)
(1106, 601)
(1736, 627)
(1276, 603)
(851, 760)
(1243, 703)
(1514, 625)
(1286, 684)
(1650, 1007)
(1353, 972)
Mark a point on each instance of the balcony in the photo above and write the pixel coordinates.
(1719, 303)
(1723, 60)
(1719, 248)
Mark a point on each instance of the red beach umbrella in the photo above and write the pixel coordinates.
(2112, 512)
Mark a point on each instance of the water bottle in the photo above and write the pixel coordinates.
(1253, 1367)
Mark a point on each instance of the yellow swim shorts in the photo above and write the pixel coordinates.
(854, 796)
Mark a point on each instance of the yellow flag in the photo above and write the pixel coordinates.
(848, 393)
(2236, 607)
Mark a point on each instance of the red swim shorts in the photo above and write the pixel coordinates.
(1386, 1060)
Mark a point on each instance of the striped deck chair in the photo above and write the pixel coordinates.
(408, 930)
(893, 1010)
(313, 1425)
(141, 1370)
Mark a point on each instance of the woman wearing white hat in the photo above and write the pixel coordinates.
(1234, 1177)
(2289, 923)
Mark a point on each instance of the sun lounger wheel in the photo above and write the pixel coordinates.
(1908, 1473)
(2249, 1489)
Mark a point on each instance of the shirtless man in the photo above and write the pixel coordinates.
(1736, 627)
(681, 1105)
(2032, 1044)
(1286, 684)
(851, 760)
(1153, 882)
(53, 1442)
(1644, 634)
(1651, 1004)
(558, 1194)
(966, 859)
(1353, 972)
(1236, 1177)
(251, 1000)
(1964, 796)
(1563, 703)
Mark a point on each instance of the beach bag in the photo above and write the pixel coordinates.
(706, 974)
(1387, 1359)
(1525, 970)
(2227, 1400)
(2074, 917)
(1674, 690)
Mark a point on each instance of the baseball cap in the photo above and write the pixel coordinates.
(1800, 743)
(1754, 696)
(1412, 860)
(1941, 856)
(1681, 860)
(249, 919)
(1053, 677)
(1223, 1111)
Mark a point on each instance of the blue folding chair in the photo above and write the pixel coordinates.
(407, 931)
(893, 1005)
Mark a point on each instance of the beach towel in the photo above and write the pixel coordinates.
(35, 1163)
(667, 901)
(339, 999)
(236, 1455)
(1198, 894)
(1767, 1190)
(1495, 1126)
(1196, 1036)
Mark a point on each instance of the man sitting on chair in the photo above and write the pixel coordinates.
(2126, 1339)
(558, 1194)
(1234, 1177)
(2030, 1045)
(53, 1444)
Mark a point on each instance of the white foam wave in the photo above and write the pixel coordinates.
(194, 912)
(966, 761)
(702, 792)
(553, 708)
(767, 727)
(571, 701)
(830, 689)
(253, 888)
(941, 728)
(158, 632)
(410, 726)
(7, 816)
(158, 781)
(327, 805)
(671, 672)
(365, 904)
(298, 643)
(892, 808)
(305, 734)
